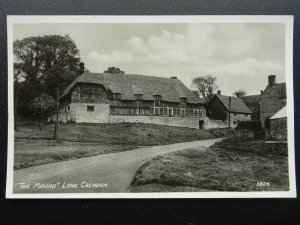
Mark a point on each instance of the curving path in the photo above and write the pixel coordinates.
(103, 173)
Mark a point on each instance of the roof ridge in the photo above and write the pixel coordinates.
(131, 74)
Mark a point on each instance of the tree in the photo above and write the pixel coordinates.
(65, 77)
(114, 70)
(205, 87)
(37, 58)
(41, 107)
(37, 55)
(239, 93)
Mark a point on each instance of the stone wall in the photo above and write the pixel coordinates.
(210, 124)
(82, 115)
(278, 129)
(169, 121)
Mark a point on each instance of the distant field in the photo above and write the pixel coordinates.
(214, 169)
(34, 147)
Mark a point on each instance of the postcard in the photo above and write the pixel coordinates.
(150, 107)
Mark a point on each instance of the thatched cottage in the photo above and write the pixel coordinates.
(106, 97)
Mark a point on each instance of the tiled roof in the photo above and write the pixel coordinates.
(237, 105)
(250, 98)
(130, 84)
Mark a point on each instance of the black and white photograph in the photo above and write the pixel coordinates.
(150, 107)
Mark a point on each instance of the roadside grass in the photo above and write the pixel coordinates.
(246, 144)
(34, 147)
(212, 169)
(122, 133)
(36, 152)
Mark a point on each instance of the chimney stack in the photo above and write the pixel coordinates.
(219, 92)
(173, 77)
(271, 80)
(81, 68)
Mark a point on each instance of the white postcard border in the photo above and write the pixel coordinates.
(287, 20)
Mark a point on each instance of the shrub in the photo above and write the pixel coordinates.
(254, 125)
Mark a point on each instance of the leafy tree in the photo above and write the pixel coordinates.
(40, 59)
(41, 107)
(205, 87)
(114, 70)
(239, 93)
(36, 55)
(53, 76)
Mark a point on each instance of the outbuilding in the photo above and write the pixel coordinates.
(278, 125)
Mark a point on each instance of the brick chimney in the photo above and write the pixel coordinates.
(173, 77)
(81, 68)
(271, 80)
(219, 92)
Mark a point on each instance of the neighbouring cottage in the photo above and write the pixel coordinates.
(113, 98)
(252, 101)
(278, 125)
(272, 99)
(221, 106)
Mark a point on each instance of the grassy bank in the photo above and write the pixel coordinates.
(122, 133)
(34, 147)
(37, 151)
(212, 169)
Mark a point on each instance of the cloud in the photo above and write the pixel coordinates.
(251, 67)
(137, 44)
(113, 57)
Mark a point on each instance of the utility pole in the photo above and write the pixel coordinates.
(16, 89)
(57, 112)
(229, 108)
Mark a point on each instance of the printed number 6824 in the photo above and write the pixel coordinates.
(263, 184)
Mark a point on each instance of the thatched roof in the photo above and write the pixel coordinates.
(128, 85)
(237, 105)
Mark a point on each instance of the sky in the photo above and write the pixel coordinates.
(239, 55)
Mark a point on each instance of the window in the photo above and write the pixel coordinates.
(138, 97)
(116, 96)
(183, 99)
(246, 115)
(157, 97)
(90, 108)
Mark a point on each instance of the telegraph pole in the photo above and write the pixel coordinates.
(57, 112)
(229, 108)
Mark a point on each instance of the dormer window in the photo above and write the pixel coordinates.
(138, 97)
(183, 99)
(116, 96)
(157, 97)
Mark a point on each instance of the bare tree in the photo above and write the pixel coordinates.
(205, 87)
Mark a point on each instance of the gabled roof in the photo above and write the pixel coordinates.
(282, 113)
(250, 99)
(280, 90)
(130, 84)
(237, 105)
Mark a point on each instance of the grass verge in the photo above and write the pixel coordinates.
(212, 169)
(34, 147)
(36, 152)
(122, 133)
